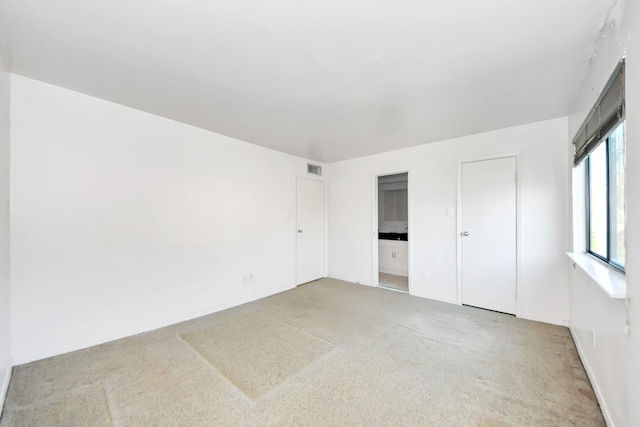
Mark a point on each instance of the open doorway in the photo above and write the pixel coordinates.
(393, 232)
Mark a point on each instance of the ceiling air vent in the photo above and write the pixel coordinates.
(314, 169)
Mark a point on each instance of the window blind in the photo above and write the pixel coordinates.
(603, 117)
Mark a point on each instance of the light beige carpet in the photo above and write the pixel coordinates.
(326, 353)
(275, 352)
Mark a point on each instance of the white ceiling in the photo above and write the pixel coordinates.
(326, 80)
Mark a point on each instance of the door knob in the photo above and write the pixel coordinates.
(464, 233)
(299, 230)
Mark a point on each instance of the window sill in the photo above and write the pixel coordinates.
(611, 281)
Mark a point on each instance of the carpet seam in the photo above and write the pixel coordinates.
(111, 406)
(213, 367)
(276, 317)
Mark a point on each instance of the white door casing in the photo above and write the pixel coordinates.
(402, 257)
(310, 230)
(489, 251)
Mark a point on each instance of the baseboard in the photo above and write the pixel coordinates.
(592, 379)
(550, 321)
(5, 386)
(147, 327)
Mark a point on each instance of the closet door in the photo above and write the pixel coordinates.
(488, 235)
(310, 233)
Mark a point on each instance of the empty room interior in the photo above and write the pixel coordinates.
(319, 213)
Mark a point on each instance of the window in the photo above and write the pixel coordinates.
(599, 145)
(605, 167)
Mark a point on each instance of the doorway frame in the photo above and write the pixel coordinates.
(518, 157)
(375, 278)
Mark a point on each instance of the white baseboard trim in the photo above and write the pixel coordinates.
(558, 322)
(603, 404)
(147, 327)
(5, 386)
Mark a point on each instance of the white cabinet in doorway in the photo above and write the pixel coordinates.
(393, 257)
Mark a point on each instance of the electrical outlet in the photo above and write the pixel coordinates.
(251, 277)
(245, 279)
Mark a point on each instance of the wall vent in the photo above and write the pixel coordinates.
(314, 169)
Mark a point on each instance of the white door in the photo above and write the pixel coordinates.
(488, 234)
(310, 248)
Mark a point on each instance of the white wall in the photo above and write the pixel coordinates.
(543, 279)
(5, 288)
(614, 362)
(123, 221)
